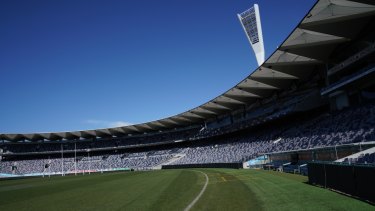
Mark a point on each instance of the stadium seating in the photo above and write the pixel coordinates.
(329, 129)
(85, 164)
(368, 158)
(352, 125)
(103, 143)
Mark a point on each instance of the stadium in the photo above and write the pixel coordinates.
(298, 133)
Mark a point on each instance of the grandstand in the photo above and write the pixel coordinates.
(299, 79)
(314, 93)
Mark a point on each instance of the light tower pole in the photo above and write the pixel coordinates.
(250, 21)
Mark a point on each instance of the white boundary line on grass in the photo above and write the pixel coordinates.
(199, 195)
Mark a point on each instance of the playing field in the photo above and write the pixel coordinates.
(226, 189)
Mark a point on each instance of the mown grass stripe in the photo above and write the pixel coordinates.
(200, 193)
(173, 190)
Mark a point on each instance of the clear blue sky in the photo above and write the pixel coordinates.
(86, 64)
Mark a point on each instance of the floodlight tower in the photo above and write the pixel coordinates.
(250, 21)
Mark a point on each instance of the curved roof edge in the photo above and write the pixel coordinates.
(301, 52)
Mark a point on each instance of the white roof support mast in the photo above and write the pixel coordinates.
(250, 21)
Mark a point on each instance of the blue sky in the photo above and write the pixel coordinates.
(85, 64)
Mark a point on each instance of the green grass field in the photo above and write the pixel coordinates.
(228, 189)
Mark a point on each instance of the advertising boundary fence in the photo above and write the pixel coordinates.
(205, 165)
(355, 180)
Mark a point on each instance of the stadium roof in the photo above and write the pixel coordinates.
(309, 47)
